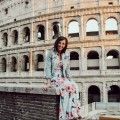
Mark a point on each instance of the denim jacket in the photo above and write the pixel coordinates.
(51, 63)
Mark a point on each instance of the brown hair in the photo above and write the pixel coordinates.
(57, 42)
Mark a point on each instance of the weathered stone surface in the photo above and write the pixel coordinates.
(35, 89)
(28, 106)
(33, 13)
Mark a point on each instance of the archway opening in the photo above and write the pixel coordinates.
(111, 26)
(4, 65)
(26, 34)
(5, 39)
(13, 64)
(92, 60)
(73, 29)
(26, 64)
(92, 28)
(56, 30)
(113, 60)
(114, 94)
(41, 32)
(93, 94)
(15, 37)
(40, 63)
(74, 61)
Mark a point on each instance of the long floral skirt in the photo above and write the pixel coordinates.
(69, 98)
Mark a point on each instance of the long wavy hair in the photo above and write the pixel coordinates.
(57, 42)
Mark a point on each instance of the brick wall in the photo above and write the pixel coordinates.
(28, 106)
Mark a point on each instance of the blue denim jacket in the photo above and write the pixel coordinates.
(51, 63)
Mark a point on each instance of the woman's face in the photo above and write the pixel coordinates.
(61, 45)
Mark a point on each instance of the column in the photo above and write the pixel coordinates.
(119, 25)
(9, 38)
(8, 64)
(31, 62)
(50, 31)
(0, 64)
(102, 26)
(80, 61)
(84, 95)
(20, 41)
(80, 86)
(119, 60)
(1, 40)
(47, 31)
(105, 93)
(18, 64)
(32, 31)
(83, 62)
(63, 27)
(82, 28)
(103, 63)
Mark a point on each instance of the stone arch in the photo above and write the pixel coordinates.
(40, 32)
(73, 28)
(40, 62)
(5, 39)
(74, 60)
(4, 64)
(93, 94)
(112, 59)
(114, 94)
(92, 27)
(56, 29)
(111, 26)
(15, 37)
(92, 60)
(26, 63)
(26, 34)
(13, 64)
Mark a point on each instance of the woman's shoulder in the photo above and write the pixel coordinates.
(67, 52)
(51, 52)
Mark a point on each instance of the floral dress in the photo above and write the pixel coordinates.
(69, 94)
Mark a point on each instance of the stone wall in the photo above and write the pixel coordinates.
(28, 106)
(46, 12)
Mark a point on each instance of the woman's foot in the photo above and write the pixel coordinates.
(78, 118)
(46, 87)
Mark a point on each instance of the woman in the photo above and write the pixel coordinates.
(57, 72)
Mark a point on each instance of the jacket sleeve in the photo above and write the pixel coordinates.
(48, 65)
(67, 71)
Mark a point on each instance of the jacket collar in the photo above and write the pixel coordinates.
(56, 53)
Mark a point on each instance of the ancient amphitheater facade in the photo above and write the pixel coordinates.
(29, 27)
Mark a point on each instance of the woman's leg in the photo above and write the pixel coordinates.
(69, 100)
(73, 102)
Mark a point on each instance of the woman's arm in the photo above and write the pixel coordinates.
(67, 71)
(48, 65)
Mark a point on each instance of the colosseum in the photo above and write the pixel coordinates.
(28, 28)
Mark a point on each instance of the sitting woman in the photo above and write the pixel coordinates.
(57, 73)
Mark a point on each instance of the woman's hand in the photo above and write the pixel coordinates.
(47, 84)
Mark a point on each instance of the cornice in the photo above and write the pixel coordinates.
(68, 13)
(72, 44)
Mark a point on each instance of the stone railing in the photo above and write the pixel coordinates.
(96, 109)
(110, 107)
(28, 102)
